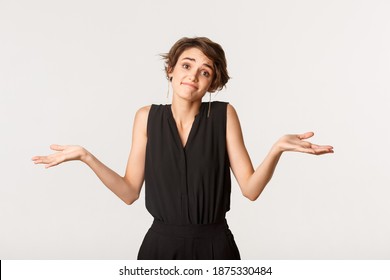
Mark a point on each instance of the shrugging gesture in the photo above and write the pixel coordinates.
(183, 194)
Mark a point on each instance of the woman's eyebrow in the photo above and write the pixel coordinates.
(193, 59)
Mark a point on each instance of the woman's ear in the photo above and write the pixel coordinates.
(169, 71)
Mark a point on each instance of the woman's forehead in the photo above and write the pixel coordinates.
(195, 54)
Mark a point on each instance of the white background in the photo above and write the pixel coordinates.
(75, 72)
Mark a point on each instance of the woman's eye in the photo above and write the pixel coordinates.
(206, 74)
(186, 66)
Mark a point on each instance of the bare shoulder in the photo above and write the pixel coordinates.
(231, 113)
(141, 118)
(142, 114)
(143, 111)
(233, 127)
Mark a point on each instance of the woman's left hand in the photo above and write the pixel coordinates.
(296, 143)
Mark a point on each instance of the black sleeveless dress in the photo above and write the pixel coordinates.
(187, 189)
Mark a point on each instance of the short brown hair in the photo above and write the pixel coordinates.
(211, 49)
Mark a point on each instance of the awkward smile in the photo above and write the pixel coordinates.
(190, 85)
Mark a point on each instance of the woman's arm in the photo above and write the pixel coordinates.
(253, 182)
(126, 188)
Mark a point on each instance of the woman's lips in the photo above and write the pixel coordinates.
(190, 85)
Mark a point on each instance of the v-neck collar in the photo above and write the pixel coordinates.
(194, 125)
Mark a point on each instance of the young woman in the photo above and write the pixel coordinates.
(184, 152)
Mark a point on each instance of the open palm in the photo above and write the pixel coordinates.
(64, 153)
(296, 143)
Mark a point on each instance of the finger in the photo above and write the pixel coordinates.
(37, 159)
(321, 151)
(305, 135)
(321, 146)
(41, 161)
(56, 147)
(314, 151)
(318, 153)
(44, 160)
(50, 165)
(306, 150)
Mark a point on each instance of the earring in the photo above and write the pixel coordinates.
(169, 80)
(208, 112)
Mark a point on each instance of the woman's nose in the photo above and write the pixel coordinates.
(193, 76)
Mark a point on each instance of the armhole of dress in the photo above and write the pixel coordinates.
(225, 130)
(151, 110)
(225, 118)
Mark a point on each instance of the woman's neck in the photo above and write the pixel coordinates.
(184, 112)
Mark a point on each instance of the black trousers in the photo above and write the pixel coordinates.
(188, 242)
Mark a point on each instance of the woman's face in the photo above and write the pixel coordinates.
(192, 75)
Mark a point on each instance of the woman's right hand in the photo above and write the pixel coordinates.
(65, 153)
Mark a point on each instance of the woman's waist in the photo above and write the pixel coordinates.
(190, 230)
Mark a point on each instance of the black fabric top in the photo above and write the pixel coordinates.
(191, 184)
